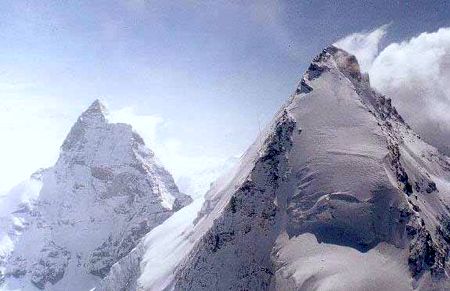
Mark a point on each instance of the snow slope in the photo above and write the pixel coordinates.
(105, 192)
(337, 193)
(338, 162)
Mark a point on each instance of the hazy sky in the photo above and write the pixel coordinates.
(197, 78)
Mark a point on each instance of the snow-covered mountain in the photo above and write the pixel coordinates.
(338, 193)
(78, 218)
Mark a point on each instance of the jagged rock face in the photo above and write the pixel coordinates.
(339, 163)
(104, 194)
(243, 238)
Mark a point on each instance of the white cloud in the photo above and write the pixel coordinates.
(416, 75)
(145, 125)
(193, 173)
(365, 45)
(423, 57)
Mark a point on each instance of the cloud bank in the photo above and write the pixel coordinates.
(416, 74)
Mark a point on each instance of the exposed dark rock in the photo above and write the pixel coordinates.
(51, 267)
(303, 88)
(249, 220)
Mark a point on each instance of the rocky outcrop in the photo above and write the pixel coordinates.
(249, 225)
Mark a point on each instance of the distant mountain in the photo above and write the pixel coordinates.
(105, 192)
(338, 193)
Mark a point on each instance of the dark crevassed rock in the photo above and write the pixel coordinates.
(444, 228)
(326, 54)
(425, 185)
(386, 110)
(303, 88)
(51, 267)
(397, 168)
(248, 241)
(443, 241)
(414, 206)
(422, 253)
(113, 250)
(431, 187)
(18, 272)
(428, 253)
(220, 239)
(102, 259)
(314, 70)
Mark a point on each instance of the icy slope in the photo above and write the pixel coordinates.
(337, 192)
(104, 194)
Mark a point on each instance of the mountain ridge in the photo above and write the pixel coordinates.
(337, 172)
(337, 192)
(104, 193)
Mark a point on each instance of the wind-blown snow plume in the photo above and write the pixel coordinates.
(365, 46)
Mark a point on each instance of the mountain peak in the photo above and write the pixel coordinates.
(105, 188)
(346, 63)
(334, 170)
(331, 57)
(97, 105)
(93, 117)
(96, 110)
